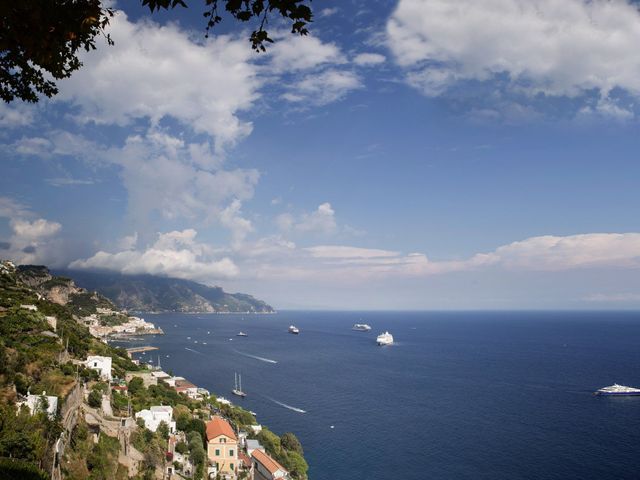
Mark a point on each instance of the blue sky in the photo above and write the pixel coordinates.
(413, 154)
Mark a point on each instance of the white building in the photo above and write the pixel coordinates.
(101, 364)
(155, 415)
(34, 403)
(33, 308)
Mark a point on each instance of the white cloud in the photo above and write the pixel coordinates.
(321, 220)
(37, 146)
(566, 48)
(293, 53)
(161, 176)
(10, 208)
(323, 88)
(68, 181)
(157, 71)
(231, 218)
(365, 59)
(327, 12)
(35, 230)
(174, 254)
(16, 115)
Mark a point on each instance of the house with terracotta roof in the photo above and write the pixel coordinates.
(266, 468)
(222, 447)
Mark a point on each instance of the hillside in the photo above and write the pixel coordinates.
(147, 293)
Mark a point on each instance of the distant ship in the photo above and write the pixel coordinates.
(384, 339)
(361, 327)
(294, 330)
(242, 334)
(238, 387)
(616, 389)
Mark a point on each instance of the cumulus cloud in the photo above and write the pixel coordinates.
(321, 220)
(16, 115)
(293, 53)
(35, 230)
(173, 254)
(567, 48)
(323, 88)
(31, 240)
(156, 71)
(366, 59)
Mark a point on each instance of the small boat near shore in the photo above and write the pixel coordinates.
(293, 329)
(618, 390)
(242, 334)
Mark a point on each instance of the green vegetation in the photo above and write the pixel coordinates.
(15, 469)
(287, 450)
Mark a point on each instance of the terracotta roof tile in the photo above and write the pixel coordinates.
(268, 462)
(219, 426)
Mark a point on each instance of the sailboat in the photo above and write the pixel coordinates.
(238, 386)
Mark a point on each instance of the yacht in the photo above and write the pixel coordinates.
(384, 339)
(616, 389)
(242, 334)
(361, 327)
(293, 329)
(238, 387)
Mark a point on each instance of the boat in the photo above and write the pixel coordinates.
(384, 339)
(238, 387)
(293, 329)
(242, 334)
(361, 327)
(616, 389)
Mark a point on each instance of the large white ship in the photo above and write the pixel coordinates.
(616, 389)
(361, 327)
(293, 329)
(384, 339)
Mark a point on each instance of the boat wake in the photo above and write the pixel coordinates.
(262, 359)
(289, 407)
(194, 351)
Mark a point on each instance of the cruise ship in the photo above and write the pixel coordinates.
(384, 339)
(294, 330)
(616, 389)
(361, 327)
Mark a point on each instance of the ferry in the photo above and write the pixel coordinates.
(384, 339)
(361, 327)
(242, 334)
(616, 389)
(293, 329)
(238, 387)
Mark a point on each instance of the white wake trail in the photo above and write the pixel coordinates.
(262, 359)
(194, 351)
(295, 409)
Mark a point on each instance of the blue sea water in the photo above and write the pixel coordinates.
(464, 395)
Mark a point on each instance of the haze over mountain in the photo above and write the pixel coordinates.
(150, 293)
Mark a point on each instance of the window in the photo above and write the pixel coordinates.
(217, 452)
(231, 453)
(223, 440)
(231, 466)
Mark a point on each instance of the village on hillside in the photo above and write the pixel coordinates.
(113, 415)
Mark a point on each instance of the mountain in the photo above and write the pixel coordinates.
(147, 293)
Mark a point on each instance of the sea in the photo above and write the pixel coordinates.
(459, 395)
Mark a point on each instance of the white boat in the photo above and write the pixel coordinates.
(238, 387)
(242, 334)
(616, 389)
(384, 339)
(293, 329)
(361, 327)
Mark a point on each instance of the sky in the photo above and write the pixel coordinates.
(411, 154)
